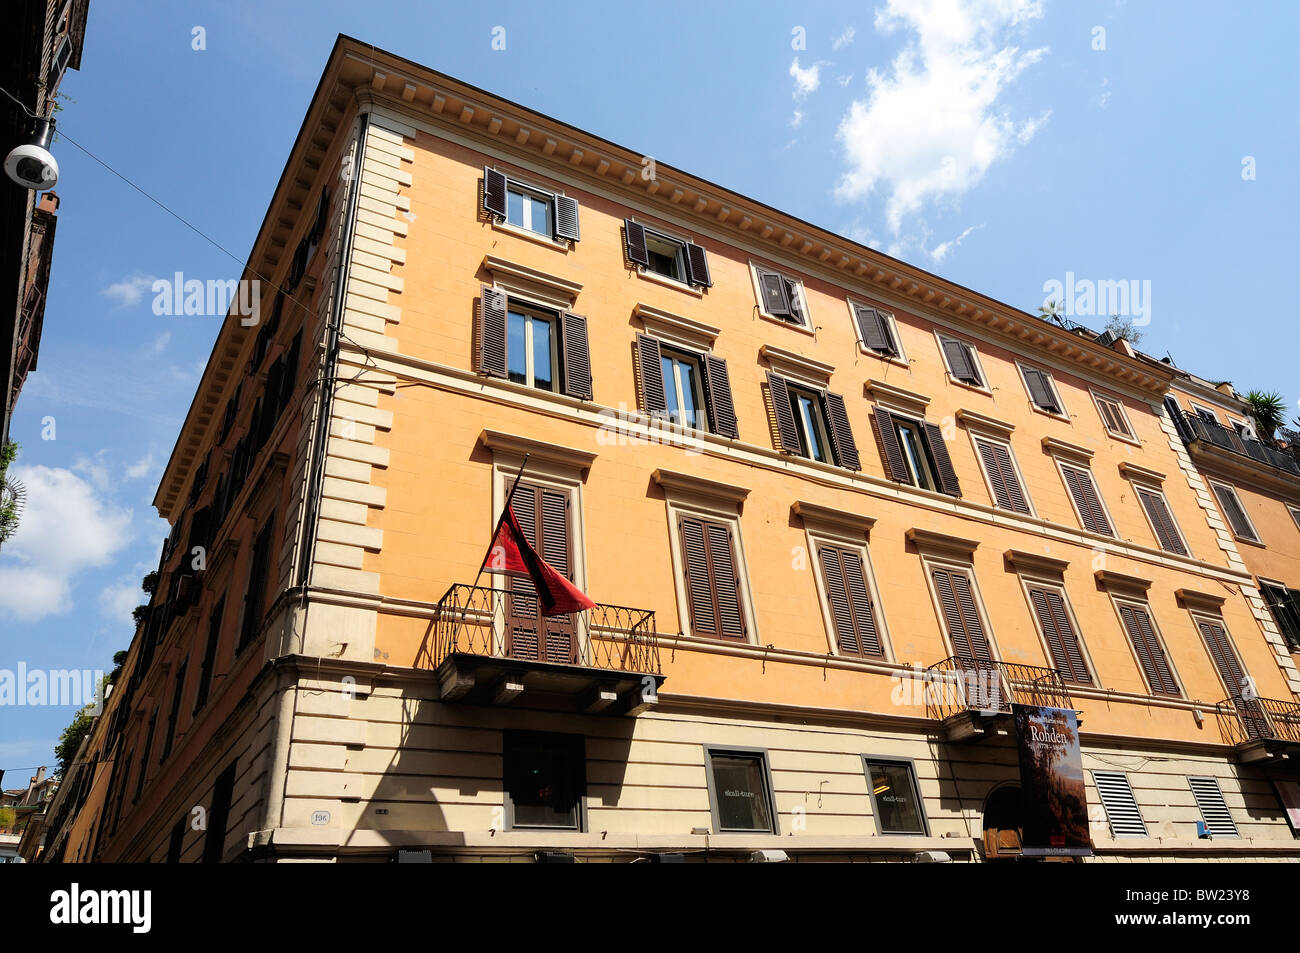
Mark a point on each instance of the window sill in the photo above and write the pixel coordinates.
(1131, 441)
(562, 246)
(802, 329)
(977, 388)
(1248, 542)
(884, 358)
(1047, 413)
(669, 282)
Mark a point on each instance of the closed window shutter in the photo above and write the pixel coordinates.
(494, 192)
(850, 603)
(722, 413)
(1163, 521)
(1062, 642)
(1113, 416)
(1041, 390)
(846, 449)
(775, 299)
(965, 630)
(556, 550)
(1234, 678)
(960, 361)
(1121, 806)
(942, 462)
(566, 218)
(726, 583)
(576, 356)
(874, 330)
(1007, 492)
(890, 451)
(697, 265)
(634, 235)
(650, 376)
(492, 333)
(1084, 492)
(786, 431)
(699, 585)
(1213, 808)
(1234, 511)
(1151, 655)
(712, 585)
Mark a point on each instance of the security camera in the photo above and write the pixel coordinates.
(31, 165)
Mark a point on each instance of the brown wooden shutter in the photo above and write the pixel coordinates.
(942, 462)
(1240, 688)
(1007, 492)
(965, 630)
(1285, 606)
(1041, 390)
(775, 300)
(1113, 416)
(699, 583)
(494, 192)
(786, 430)
(492, 333)
(712, 584)
(566, 218)
(846, 449)
(726, 582)
(523, 615)
(575, 356)
(634, 235)
(1086, 499)
(722, 413)
(697, 266)
(874, 330)
(850, 602)
(890, 451)
(1062, 642)
(1151, 656)
(650, 376)
(1233, 510)
(960, 361)
(560, 644)
(1163, 522)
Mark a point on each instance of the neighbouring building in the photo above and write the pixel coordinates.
(807, 485)
(28, 805)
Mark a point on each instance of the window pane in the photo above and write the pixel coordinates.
(807, 413)
(670, 387)
(517, 348)
(541, 215)
(690, 394)
(542, 371)
(896, 805)
(910, 441)
(664, 256)
(515, 208)
(541, 784)
(741, 791)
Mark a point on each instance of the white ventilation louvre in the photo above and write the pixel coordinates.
(1213, 808)
(1120, 804)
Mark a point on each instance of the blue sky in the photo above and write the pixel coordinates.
(990, 141)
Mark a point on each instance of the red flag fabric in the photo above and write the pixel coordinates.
(511, 552)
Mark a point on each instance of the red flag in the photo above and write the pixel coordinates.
(511, 552)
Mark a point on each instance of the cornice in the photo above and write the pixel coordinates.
(1140, 473)
(1239, 469)
(930, 541)
(796, 366)
(827, 515)
(1065, 449)
(499, 442)
(1035, 563)
(679, 484)
(982, 423)
(1119, 582)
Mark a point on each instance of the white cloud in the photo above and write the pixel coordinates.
(797, 119)
(140, 468)
(845, 79)
(65, 529)
(117, 601)
(128, 291)
(807, 80)
(96, 468)
(931, 125)
(940, 251)
(159, 344)
(1103, 98)
(845, 38)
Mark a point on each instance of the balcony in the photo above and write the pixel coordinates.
(1195, 429)
(490, 646)
(1260, 729)
(972, 698)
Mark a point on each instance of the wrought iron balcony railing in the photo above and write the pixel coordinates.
(959, 684)
(1243, 720)
(505, 624)
(1193, 427)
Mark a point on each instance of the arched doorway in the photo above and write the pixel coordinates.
(1003, 830)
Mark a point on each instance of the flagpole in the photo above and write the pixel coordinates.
(505, 509)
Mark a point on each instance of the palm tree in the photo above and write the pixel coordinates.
(1268, 410)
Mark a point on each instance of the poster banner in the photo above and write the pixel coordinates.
(1288, 792)
(1054, 802)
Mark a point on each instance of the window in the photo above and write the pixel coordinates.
(692, 389)
(1000, 469)
(895, 797)
(543, 515)
(1042, 390)
(532, 346)
(852, 614)
(1149, 650)
(684, 389)
(1113, 416)
(1087, 502)
(209, 656)
(144, 757)
(781, 297)
(740, 791)
(876, 330)
(1162, 520)
(915, 453)
(1285, 606)
(544, 776)
(961, 618)
(1295, 514)
(1214, 810)
(173, 714)
(1205, 414)
(1234, 512)
(963, 364)
(177, 840)
(530, 208)
(1232, 673)
(660, 254)
(1063, 646)
(812, 423)
(214, 841)
(712, 582)
(1121, 806)
(255, 595)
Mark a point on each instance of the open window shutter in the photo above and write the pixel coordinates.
(942, 462)
(1163, 522)
(1007, 491)
(1114, 417)
(634, 235)
(722, 413)
(786, 431)
(1213, 808)
(1234, 511)
(850, 603)
(492, 333)
(494, 192)
(1086, 499)
(846, 449)
(699, 585)
(775, 299)
(726, 584)
(1121, 806)
(1062, 642)
(874, 330)
(1234, 677)
(1041, 390)
(697, 266)
(566, 218)
(964, 627)
(651, 376)
(960, 361)
(890, 451)
(1285, 605)
(576, 357)
(1151, 656)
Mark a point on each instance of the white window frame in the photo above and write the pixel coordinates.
(1078, 514)
(754, 269)
(504, 224)
(1295, 514)
(1156, 490)
(681, 356)
(1117, 600)
(1131, 436)
(818, 533)
(648, 273)
(901, 357)
(988, 436)
(1199, 410)
(1064, 413)
(538, 313)
(984, 387)
(1258, 540)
